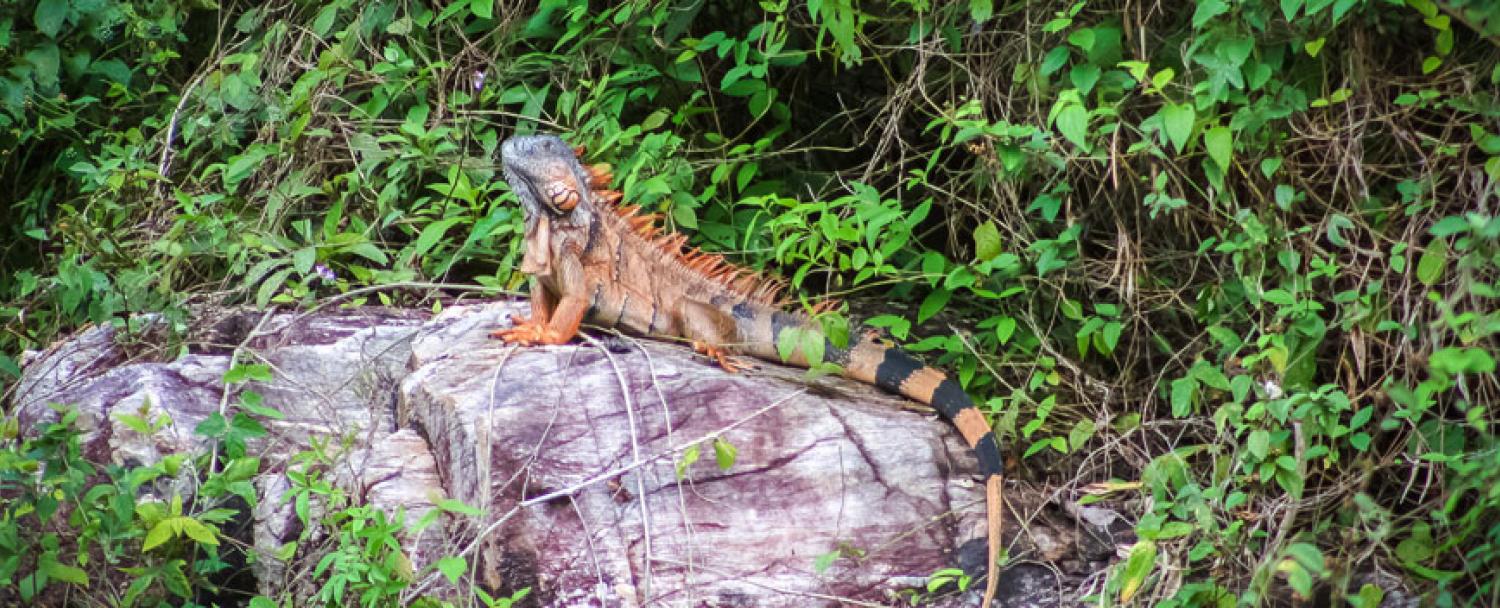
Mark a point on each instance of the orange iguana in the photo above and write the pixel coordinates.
(594, 259)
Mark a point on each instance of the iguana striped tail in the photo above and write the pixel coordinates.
(893, 370)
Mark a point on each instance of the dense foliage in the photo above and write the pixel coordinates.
(1230, 265)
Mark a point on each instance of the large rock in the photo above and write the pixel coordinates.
(837, 493)
(819, 470)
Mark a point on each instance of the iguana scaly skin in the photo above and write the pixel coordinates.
(595, 260)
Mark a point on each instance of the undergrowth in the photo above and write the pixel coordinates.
(1231, 264)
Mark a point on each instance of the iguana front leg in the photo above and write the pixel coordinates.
(552, 321)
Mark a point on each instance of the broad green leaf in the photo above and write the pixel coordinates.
(986, 241)
(483, 9)
(933, 303)
(1004, 329)
(981, 10)
(1337, 223)
(1071, 309)
(195, 530)
(269, 287)
(253, 372)
(1314, 46)
(452, 567)
(1285, 196)
(1269, 166)
(1207, 10)
(49, 16)
(1073, 123)
(689, 456)
(1449, 226)
(431, 235)
(1177, 120)
(1084, 77)
(824, 561)
(1259, 444)
(1082, 431)
(724, 454)
(67, 574)
(162, 532)
(1220, 144)
(1289, 8)
(1182, 396)
(1137, 567)
(1432, 263)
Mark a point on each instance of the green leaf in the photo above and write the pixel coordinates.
(49, 16)
(1220, 144)
(65, 573)
(1432, 263)
(824, 561)
(1449, 226)
(724, 453)
(1071, 309)
(933, 303)
(981, 10)
(195, 530)
(1431, 64)
(1312, 47)
(986, 241)
(1207, 10)
(1082, 38)
(1082, 431)
(241, 373)
(1004, 329)
(1073, 123)
(483, 9)
(324, 21)
(760, 102)
(1269, 166)
(1054, 60)
(1182, 396)
(1177, 120)
(162, 532)
(1084, 77)
(1336, 224)
(689, 456)
(1140, 563)
(270, 286)
(1259, 444)
(1111, 335)
(303, 259)
(431, 235)
(452, 567)
(1289, 8)
(1285, 196)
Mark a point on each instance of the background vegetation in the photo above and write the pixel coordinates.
(1229, 263)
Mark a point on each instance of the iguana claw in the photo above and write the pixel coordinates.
(729, 362)
(525, 332)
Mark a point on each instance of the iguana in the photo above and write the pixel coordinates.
(592, 258)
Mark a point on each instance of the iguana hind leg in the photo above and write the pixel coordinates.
(711, 331)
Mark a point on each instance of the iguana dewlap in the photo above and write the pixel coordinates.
(594, 260)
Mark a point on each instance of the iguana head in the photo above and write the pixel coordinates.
(546, 175)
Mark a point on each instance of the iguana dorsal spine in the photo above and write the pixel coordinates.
(594, 259)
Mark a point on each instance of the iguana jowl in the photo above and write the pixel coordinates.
(593, 259)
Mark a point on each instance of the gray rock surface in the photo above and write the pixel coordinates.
(572, 454)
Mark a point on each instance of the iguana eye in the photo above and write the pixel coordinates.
(562, 197)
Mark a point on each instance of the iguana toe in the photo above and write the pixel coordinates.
(729, 362)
